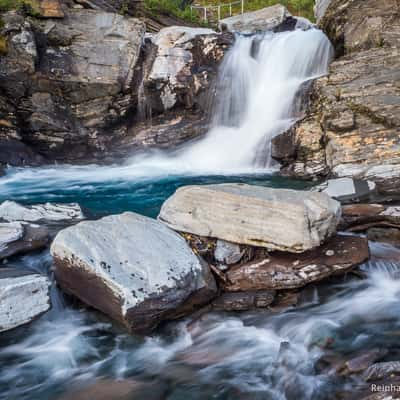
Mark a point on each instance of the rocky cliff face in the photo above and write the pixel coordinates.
(353, 125)
(88, 82)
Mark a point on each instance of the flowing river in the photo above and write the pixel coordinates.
(279, 355)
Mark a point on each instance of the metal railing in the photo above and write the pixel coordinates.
(208, 9)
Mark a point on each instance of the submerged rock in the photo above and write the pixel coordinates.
(132, 268)
(288, 271)
(266, 19)
(12, 211)
(23, 296)
(277, 219)
(18, 237)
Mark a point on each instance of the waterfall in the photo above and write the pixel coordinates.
(259, 84)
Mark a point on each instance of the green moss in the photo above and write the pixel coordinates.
(3, 45)
(29, 7)
(172, 7)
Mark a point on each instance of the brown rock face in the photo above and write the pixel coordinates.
(288, 271)
(51, 9)
(353, 125)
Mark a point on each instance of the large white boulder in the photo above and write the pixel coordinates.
(23, 296)
(278, 219)
(132, 268)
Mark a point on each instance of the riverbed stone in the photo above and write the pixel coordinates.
(133, 268)
(23, 297)
(277, 219)
(243, 301)
(50, 212)
(227, 253)
(347, 189)
(19, 238)
(262, 20)
(281, 270)
(382, 370)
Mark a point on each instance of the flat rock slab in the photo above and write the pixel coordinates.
(132, 268)
(347, 189)
(49, 212)
(23, 296)
(17, 238)
(289, 271)
(277, 219)
(256, 21)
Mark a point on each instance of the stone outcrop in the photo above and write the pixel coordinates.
(23, 297)
(287, 271)
(82, 86)
(353, 125)
(19, 238)
(132, 268)
(177, 50)
(277, 219)
(270, 18)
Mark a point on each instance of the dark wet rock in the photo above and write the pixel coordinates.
(287, 271)
(243, 301)
(127, 389)
(362, 217)
(382, 370)
(16, 153)
(361, 362)
(23, 297)
(347, 189)
(385, 235)
(132, 268)
(277, 219)
(20, 237)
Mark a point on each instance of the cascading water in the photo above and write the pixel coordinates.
(259, 84)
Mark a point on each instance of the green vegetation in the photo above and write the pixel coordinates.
(303, 8)
(30, 7)
(173, 7)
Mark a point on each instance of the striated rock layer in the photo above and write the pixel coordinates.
(277, 219)
(353, 126)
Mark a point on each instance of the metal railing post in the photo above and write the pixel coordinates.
(230, 9)
(242, 3)
(219, 12)
(205, 14)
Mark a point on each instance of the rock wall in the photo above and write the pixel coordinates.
(90, 83)
(353, 126)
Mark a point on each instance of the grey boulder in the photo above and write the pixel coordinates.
(256, 21)
(23, 296)
(50, 212)
(277, 219)
(132, 268)
(19, 237)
